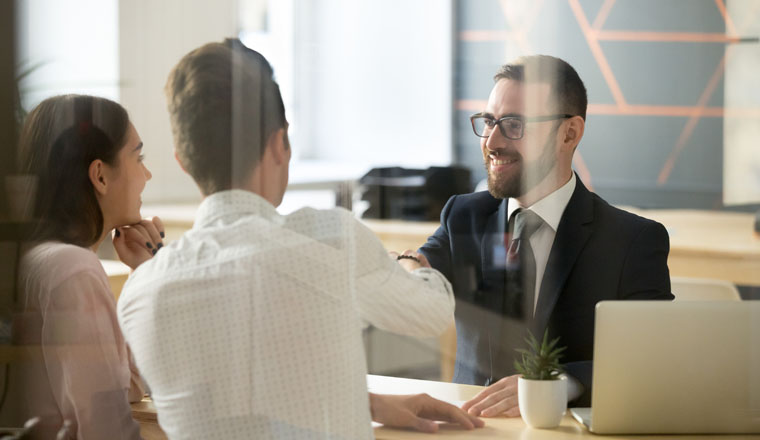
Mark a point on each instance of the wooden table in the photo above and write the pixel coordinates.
(711, 244)
(145, 414)
(499, 427)
(496, 428)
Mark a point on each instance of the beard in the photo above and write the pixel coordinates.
(525, 178)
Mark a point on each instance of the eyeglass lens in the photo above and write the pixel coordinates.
(511, 128)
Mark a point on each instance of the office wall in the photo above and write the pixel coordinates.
(353, 77)
(373, 82)
(71, 47)
(741, 127)
(654, 74)
(153, 36)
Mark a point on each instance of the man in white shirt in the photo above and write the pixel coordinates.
(249, 326)
(537, 251)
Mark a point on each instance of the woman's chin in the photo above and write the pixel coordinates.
(131, 220)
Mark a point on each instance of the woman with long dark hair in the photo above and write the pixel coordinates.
(88, 162)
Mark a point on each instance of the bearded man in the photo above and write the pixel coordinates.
(538, 250)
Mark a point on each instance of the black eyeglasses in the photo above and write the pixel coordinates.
(511, 127)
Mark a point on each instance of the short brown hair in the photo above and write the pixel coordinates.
(568, 90)
(224, 105)
(60, 138)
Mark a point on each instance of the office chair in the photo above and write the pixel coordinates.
(703, 289)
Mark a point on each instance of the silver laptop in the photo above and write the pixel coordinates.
(675, 367)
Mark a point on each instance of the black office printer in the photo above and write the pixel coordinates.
(412, 194)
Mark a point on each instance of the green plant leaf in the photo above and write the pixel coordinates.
(540, 361)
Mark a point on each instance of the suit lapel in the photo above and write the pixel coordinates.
(493, 256)
(573, 231)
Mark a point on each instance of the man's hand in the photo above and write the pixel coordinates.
(418, 411)
(414, 260)
(497, 399)
(139, 242)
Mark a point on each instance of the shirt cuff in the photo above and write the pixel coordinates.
(574, 388)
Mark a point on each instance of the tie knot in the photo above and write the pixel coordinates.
(526, 223)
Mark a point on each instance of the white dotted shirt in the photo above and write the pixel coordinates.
(249, 326)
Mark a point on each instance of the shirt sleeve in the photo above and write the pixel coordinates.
(437, 249)
(574, 388)
(86, 358)
(419, 304)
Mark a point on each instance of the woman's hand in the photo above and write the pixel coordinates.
(138, 243)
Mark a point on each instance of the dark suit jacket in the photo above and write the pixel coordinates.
(599, 253)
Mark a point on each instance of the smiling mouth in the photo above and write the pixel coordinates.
(502, 161)
(497, 161)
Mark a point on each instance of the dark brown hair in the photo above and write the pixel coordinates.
(60, 138)
(224, 105)
(568, 90)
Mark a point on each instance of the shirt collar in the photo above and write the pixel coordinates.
(551, 207)
(233, 203)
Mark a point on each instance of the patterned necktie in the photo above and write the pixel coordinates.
(521, 265)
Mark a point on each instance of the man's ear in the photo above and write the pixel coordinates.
(97, 174)
(573, 132)
(278, 146)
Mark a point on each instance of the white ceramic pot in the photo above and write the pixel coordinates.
(542, 402)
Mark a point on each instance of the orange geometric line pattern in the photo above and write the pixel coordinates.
(639, 36)
(596, 34)
(596, 51)
(682, 111)
(688, 129)
(521, 35)
(687, 37)
(691, 124)
(487, 35)
(593, 34)
(473, 105)
(730, 28)
(652, 110)
(604, 12)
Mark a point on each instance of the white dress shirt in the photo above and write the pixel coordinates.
(550, 209)
(249, 326)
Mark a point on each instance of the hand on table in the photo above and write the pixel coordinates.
(499, 398)
(138, 243)
(414, 261)
(418, 411)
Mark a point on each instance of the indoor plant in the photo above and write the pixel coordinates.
(541, 389)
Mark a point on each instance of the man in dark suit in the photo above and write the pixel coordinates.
(572, 248)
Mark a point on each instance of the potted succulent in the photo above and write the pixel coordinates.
(541, 389)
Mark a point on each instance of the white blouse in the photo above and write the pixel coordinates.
(82, 370)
